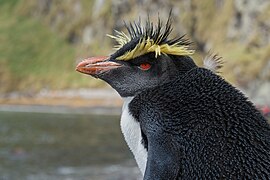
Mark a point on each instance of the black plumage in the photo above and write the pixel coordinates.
(204, 127)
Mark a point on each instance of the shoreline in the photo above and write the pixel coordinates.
(58, 109)
(82, 101)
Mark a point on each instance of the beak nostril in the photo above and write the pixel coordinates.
(88, 65)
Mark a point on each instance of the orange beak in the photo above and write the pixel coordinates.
(96, 65)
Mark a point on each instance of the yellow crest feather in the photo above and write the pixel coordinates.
(149, 39)
(147, 46)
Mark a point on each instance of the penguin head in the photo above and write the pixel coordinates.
(144, 59)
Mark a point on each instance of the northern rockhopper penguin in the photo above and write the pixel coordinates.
(179, 120)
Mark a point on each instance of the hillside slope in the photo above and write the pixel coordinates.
(42, 40)
(32, 57)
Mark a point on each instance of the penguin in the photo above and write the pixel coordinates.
(181, 121)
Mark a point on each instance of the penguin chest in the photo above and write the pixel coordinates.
(132, 134)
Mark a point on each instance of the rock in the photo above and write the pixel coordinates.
(244, 24)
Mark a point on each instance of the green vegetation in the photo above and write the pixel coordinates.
(33, 57)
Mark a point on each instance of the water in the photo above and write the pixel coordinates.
(63, 146)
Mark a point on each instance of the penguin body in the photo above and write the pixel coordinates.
(198, 125)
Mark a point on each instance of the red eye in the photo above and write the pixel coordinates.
(145, 66)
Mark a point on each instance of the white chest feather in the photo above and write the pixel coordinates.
(132, 134)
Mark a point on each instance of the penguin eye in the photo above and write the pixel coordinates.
(145, 66)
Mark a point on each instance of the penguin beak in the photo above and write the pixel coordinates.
(96, 65)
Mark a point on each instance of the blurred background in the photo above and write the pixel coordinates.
(58, 124)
